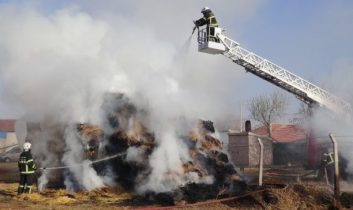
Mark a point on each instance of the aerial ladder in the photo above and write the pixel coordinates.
(216, 42)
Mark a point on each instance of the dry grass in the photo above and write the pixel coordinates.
(295, 196)
(300, 196)
(60, 199)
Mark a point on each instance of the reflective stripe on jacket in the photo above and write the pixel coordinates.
(26, 164)
(212, 22)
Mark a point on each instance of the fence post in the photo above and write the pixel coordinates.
(261, 161)
(337, 172)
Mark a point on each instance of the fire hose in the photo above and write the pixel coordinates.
(206, 202)
(196, 26)
(77, 165)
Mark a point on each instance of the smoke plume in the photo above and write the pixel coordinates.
(57, 65)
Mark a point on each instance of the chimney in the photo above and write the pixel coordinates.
(247, 126)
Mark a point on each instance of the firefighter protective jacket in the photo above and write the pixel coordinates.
(26, 164)
(208, 18)
(328, 158)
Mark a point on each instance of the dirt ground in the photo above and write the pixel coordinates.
(305, 195)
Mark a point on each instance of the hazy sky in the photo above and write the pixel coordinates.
(312, 39)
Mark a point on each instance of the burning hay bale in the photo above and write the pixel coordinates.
(208, 171)
(195, 168)
(90, 136)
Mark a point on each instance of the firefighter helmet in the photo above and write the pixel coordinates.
(205, 9)
(27, 146)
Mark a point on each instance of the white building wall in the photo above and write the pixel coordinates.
(11, 139)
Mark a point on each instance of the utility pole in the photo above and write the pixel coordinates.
(241, 117)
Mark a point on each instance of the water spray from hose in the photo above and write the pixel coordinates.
(77, 165)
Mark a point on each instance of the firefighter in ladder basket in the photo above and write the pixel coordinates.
(210, 20)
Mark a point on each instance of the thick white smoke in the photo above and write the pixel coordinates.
(326, 122)
(83, 174)
(57, 65)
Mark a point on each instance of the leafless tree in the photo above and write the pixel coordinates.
(268, 108)
(303, 115)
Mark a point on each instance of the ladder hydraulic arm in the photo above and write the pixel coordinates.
(218, 43)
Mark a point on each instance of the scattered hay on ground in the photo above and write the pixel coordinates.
(59, 198)
(302, 196)
(294, 196)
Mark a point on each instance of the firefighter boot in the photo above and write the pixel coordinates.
(28, 189)
(20, 190)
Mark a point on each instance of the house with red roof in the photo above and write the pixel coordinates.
(287, 145)
(290, 143)
(282, 133)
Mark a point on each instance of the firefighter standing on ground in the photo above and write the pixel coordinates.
(328, 165)
(27, 168)
(209, 19)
